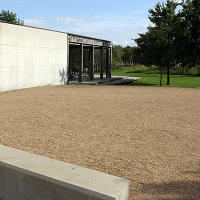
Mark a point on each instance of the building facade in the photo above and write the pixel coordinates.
(31, 57)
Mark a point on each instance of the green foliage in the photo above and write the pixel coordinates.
(158, 43)
(174, 37)
(198, 68)
(127, 56)
(10, 17)
(170, 45)
(154, 68)
(191, 31)
(139, 69)
(117, 52)
(123, 56)
(193, 71)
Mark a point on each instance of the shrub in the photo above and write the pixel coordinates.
(198, 68)
(193, 71)
(154, 69)
(139, 68)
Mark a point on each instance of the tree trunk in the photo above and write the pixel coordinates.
(161, 75)
(168, 76)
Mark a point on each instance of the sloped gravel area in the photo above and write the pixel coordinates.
(149, 135)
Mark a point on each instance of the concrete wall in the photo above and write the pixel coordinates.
(26, 176)
(31, 57)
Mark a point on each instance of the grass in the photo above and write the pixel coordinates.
(153, 79)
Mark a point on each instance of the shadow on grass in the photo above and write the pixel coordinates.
(135, 72)
(141, 84)
(141, 72)
(174, 75)
(132, 84)
(183, 76)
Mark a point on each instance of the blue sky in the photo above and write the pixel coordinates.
(115, 20)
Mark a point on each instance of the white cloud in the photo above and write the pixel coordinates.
(120, 29)
(179, 1)
(69, 20)
(19, 1)
(36, 23)
(114, 28)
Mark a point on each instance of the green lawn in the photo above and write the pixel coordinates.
(148, 79)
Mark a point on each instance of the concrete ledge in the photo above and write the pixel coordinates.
(26, 176)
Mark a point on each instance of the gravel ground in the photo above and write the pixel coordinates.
(149, 135)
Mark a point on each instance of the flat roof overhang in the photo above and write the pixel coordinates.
(79, 39)
(74, 38)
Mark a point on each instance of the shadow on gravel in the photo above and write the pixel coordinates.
(189, 190)
(192, 172)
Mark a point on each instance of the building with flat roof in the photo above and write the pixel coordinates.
(31, 56)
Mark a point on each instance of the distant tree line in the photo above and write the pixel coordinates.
(123, 56)
(172, 40)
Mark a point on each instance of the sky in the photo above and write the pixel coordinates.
(119, 21)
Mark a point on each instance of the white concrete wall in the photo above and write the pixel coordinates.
(31, 57)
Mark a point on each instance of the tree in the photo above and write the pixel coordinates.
(136, 58)
(191, 35)
(10, 17)
(117, 53)
(127, 55)
(158, 44)
(166, 22)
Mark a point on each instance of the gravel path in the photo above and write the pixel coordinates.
(149, 135)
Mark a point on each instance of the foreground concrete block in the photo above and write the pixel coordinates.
(26, 176)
